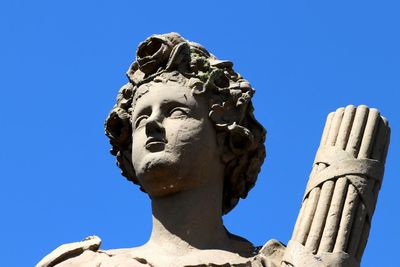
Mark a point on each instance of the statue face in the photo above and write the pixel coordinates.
(173, 140)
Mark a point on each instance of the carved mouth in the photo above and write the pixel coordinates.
(155, 144)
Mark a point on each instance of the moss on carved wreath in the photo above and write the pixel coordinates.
(169, 57)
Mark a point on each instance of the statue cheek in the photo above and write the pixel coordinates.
(138, 148)
(189, 134)
(138, 143)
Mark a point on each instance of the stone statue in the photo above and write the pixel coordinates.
(183, 130)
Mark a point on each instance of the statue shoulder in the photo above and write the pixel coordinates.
(271, 254)
(65, 252)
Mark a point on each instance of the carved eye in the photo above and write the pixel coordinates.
(178, 113)
(139, 122)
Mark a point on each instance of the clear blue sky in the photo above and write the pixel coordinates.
(62, 63)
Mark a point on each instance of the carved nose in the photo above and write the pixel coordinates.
(154, 127)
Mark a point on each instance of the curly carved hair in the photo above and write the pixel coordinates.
(169, 57)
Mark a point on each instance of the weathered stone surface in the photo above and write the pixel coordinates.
(340, 198)
(183, 129)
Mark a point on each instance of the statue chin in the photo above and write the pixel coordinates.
(158, 177)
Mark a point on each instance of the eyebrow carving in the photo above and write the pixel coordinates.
(166, 105)
(147, 110)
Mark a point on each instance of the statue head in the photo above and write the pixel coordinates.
(169, 62)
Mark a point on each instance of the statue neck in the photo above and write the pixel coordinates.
(189, 220)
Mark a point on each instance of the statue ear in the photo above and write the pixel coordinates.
(233, 140)
(240, 139)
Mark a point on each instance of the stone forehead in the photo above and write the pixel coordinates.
(145, 88)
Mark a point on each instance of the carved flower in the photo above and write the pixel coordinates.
(153, 53)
